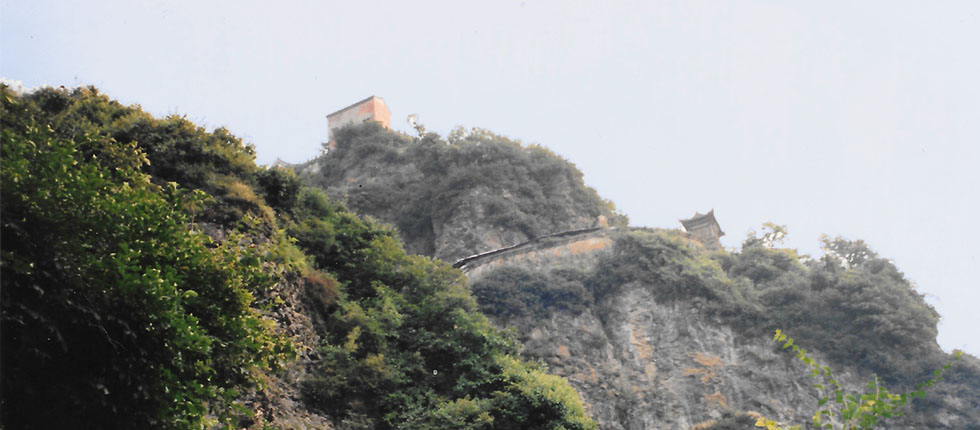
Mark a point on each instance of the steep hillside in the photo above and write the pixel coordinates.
(154, 277)
(474, 192)
(652, 329)
(655, 333)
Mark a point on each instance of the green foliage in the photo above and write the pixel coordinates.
(280, 187)
(663, 261)
(772, 234)
(856, 305)
(532, 399)
(866, 315)
(851, 255)
(115, 314)
(404, 343)
(513, 292)
(239, 201)
(766, 267)
(520, 396)
(176, 149)
(839, 409)
(416, 184)
(137, 320)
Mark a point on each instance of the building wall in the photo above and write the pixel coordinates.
(380, 112)
(373, 108)
(709, 234)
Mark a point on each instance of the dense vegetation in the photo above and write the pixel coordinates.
(115, 313)
(425, 184)
(853, 306)
(858, 307)
(513, 291)
(119, 313)
(660, 259)
(404, 344)
(839, 408)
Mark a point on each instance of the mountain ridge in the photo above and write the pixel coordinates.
(269, 303)
(752, 289)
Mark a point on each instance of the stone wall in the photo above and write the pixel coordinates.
(576, 248)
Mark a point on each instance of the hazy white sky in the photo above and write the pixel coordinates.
(854, 118)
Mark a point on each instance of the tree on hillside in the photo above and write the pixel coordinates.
(115, 313)
(772, 234)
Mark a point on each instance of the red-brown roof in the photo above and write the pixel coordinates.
(353, 105)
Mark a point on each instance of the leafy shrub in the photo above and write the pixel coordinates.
(404, 343)
(861, 410)
(238, 200)
(765, 266)
(867, 315)
(177, 150)
(514, 292)
(115, 314)
(418, 184)
(664, 262)
(280, 187)
(856, 305)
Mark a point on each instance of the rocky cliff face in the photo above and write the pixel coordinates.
(642, 362)
(278, 402)
(453, 199)
(463, 230)
(639, 364)
(641, 357)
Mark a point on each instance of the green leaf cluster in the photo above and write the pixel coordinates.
(419, 184)
(856, 306)
(116, 312)
(404, 345)
(513, 291)
(840, 409)
(866, 315)
(175, 149)
(859, 308)
(156, 325)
